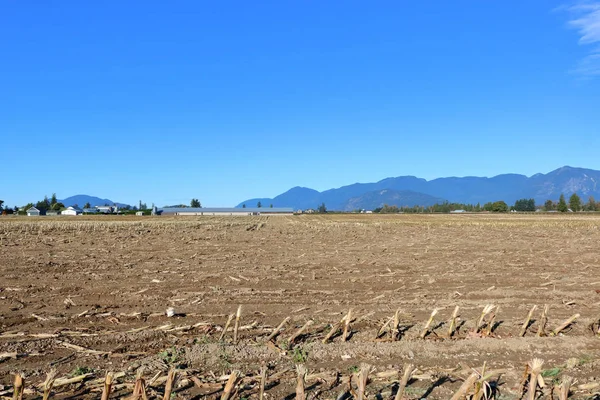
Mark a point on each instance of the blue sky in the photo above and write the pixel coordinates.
(224, 101)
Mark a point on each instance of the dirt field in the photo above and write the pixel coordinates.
(90, 294)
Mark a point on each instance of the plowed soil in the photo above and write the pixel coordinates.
(90, 295)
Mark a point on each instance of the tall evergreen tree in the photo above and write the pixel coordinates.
(591, 204)
(562, 204)
(575, 202)
(195, 203)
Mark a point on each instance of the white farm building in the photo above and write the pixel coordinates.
(33, 212)
(192, 211)
(71, 211)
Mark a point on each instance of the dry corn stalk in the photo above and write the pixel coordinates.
(452, 322)
(482, 387)
(408, 370)
(395, 331)
(169, 384)
(381, 330)
(139, 390)
(300, 331)
(229, 319)
(230, 385)
(465, 387)
(363, 376)
(428, 324)
(108, 381)
(492, 321)
(562, 326)
(238, 315)
(347, 326)
(48, 383)
(523, 384)
(543, 321)
(565, 388)
(278, 329)
(527, 321)
(263, 381)
(18, 387)
(486, 310)
(333, 330)
(301, 371)
(535, 369)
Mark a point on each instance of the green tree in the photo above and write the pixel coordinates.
(562, 204)
(1, 202)
(525, 205)
(575, 202)
(43, 205)
(259, 204)
(195, 203)
(591, 204)
(53, 199)
(499, 206)
(322, 208)
(271, 206)
(243, 205)
(389, 209)
(549, 205)
(488, 206)
(87, 205)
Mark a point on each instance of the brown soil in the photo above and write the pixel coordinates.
(105, 283)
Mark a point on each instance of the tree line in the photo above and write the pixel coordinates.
(574, 204)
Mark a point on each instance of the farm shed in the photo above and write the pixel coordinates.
(71, 211)
(139, 213)
(33, 212)
(105, 209)
(52, 213)
(192, 211)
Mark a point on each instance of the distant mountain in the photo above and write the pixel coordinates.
(301, 198)
(378, 198)
(82, 199)
(472, 190)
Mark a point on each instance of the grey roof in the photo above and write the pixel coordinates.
(265, 210)
(32, 209)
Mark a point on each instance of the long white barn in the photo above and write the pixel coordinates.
(193, 211)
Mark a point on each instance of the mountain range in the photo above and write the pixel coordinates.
(411, 191)
(81, 199)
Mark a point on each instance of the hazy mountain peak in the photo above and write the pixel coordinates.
(471, 189)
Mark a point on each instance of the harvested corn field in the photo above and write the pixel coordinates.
(370, 305)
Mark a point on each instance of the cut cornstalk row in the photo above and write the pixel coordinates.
(476, 386)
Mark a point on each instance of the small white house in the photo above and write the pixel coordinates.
(71, 211)
(33, 212)
(139, 213)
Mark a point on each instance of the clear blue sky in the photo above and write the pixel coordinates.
(229, 100)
